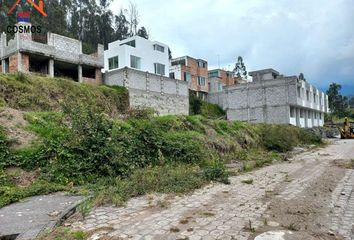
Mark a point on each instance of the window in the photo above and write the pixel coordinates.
(159, 48)
(159, 68)
(135, 62)
(201, 81)
(113, 63)
(130, 43)
(220, 87)
(201, 64)
(187, 77)
(213, 74)
(307, 95)
(314, 98)
(292, 112)
(301, 113)
(172, 75)
(299, 92)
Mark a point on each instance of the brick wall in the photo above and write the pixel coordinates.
(196, 71)
(13, 63)
(95, 81)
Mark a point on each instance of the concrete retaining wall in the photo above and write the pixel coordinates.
(165, 95)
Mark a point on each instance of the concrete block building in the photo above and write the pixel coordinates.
(193, 71)
(60, 56)
(274, 98)
(138, 53)
(147, 90)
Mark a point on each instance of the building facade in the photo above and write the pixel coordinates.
(193, 71)
(137, 53)
(60, 57)
(274, 98)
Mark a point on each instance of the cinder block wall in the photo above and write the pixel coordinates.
(167, 96)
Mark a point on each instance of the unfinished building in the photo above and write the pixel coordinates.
(59, 57)
(273, 98)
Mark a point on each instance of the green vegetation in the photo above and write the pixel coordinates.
(36, 93)
(340, 106)
(63, 233)
(82, 146)
(200, 107)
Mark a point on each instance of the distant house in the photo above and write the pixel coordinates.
(273, 98)
(60, 56)
(137, 53)
(194, 71)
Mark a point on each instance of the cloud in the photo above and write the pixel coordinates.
(314, 37)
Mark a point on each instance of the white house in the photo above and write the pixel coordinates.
(137, 53)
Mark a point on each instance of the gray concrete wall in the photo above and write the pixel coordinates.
(165, 95)
(263, 101)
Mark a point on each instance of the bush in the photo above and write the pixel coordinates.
(279, 138)
(199, 107)
(4, 148)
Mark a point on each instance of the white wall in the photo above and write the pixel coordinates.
(143, 48)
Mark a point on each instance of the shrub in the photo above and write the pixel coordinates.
(199, 107)
(279, 138)
(4, 148)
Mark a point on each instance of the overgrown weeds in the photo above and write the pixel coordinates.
(118, 159)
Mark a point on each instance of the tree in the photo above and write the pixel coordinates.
(351, 101)
(121, 26)
(143, 33)
(240, 68)
(133, 18)
(337, 103)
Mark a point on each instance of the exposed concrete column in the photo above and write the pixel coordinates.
(79, 73)
(297, 117)
(306, 118)
(3, 66)
(51, 67)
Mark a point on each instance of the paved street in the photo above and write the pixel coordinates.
(309, 197)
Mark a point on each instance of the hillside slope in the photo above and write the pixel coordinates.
(37, 93)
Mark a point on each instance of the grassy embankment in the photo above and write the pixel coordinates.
(84, 147)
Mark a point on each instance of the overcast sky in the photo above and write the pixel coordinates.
(315, 37)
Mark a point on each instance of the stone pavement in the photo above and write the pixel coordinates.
(30, 217)
(220, 211)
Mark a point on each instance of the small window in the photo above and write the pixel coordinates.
(299, 92)
(201, 81)
(187, 77)
(314, 98)
(113, 63)
(159, 48)
(172, 75)
(220, 87)
(159, 69)
(135, 62)
(307, 95)
(292, 112)
(213, 74)
(130, 43)
(201, 64)
(301, 113)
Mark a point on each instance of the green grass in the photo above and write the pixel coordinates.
(37, 93)
(119, 159)
(63, 233)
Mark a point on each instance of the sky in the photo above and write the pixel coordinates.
(314, 37)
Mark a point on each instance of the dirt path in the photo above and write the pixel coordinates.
(311, 196)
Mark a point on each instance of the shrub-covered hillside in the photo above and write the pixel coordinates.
(82, 148)
(82, 145)
(36, 93)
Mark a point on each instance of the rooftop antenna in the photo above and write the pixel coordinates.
(219, 61)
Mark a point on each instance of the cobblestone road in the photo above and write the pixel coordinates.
(230, 211)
